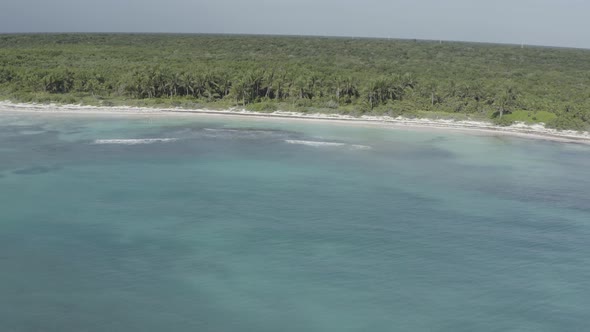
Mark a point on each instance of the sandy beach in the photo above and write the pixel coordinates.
(537, 131)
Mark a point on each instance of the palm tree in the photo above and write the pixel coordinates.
(507, 100)
(185, 83)
(372, 94)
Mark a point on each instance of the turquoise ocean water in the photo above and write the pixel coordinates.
(235, 224)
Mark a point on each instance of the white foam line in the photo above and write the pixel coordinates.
(360, 147)
(241, 131)
(320, 144)
(313, 143)
(222, 130)
(134, 141)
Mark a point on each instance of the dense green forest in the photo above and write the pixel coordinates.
(307, 74)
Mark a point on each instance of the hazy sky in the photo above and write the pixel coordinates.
(541, 22)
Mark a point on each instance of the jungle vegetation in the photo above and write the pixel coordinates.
(355, 76)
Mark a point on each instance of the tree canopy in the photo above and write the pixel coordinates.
(308, 74)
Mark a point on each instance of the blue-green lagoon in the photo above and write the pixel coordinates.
(202, 223)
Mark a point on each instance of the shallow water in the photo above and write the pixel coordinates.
(231, 224)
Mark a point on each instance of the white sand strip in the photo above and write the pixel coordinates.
(537, 131)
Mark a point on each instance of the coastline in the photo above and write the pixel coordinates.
(537, 131)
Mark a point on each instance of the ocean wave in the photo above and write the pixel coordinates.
(322, 143)
(222, 130)
(360, 147)
(134, 141)
(313, 143)
(244, 133)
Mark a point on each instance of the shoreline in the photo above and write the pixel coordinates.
(537, 131)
